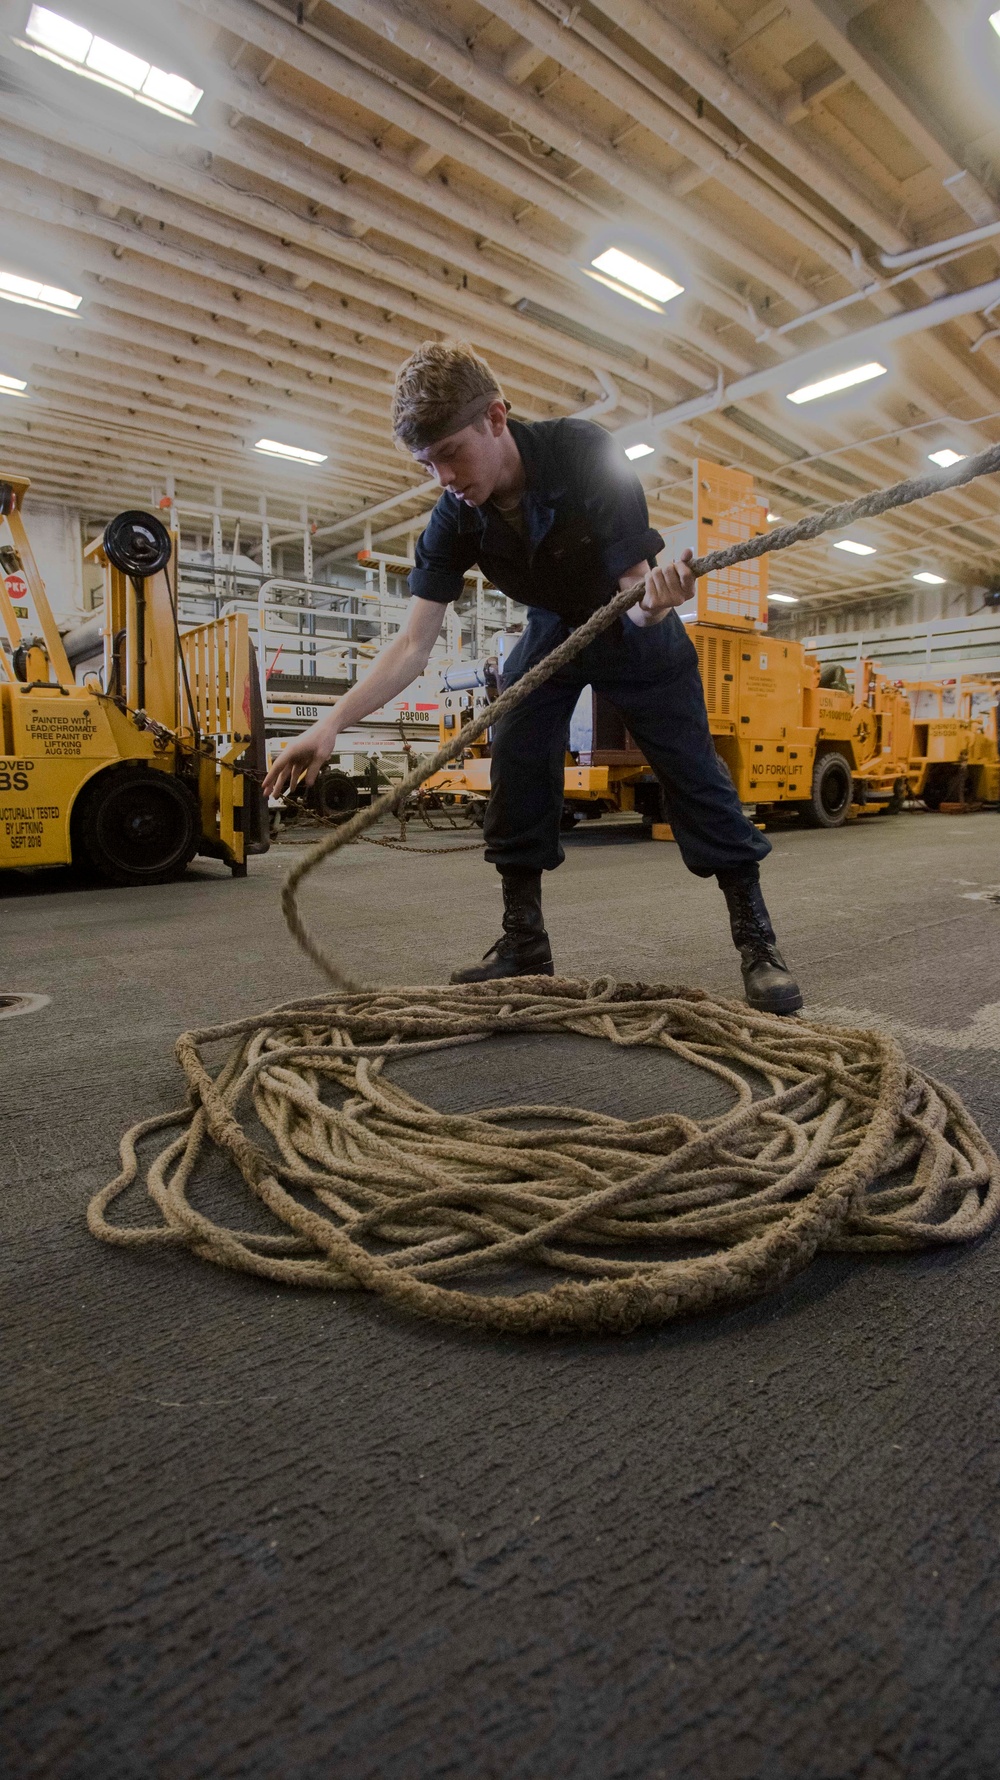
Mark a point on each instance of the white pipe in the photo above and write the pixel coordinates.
(364, 513)
(893, 261)
(853, 348)
(605, 403)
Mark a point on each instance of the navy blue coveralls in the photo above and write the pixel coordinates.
(585, 523)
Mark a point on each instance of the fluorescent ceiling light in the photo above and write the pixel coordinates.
(171, 91)
(784, 599)
(634, 451)
(775, 519)
(931, 580)
(995, 22)
(118, 64)
(623, 291)
(634, 275)
(76, 48)
(12, 385)
(828, 386)
(59, 34)
(947, 457)
(854, 548)
(37, 295)
(273, 448)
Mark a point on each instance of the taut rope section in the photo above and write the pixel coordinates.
(638, 1221)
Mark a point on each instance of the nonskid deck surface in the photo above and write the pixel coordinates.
(261, 1532)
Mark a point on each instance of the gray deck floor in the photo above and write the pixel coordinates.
(262, 1532)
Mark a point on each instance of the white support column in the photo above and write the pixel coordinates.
(479, 639)
(173, 517)
(218, 581)
(307, 545)
(452, 634)
(383, 595)
(265, 537)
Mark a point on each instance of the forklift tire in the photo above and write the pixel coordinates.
(832, 793)
(137, 826)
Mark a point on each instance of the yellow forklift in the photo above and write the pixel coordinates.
(156, 753)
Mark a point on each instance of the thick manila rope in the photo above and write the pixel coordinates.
(852, 1148)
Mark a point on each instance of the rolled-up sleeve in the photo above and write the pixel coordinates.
(443, 554)
(614, 499)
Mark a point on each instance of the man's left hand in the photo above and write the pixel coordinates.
(664, 589)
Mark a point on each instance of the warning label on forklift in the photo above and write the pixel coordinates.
(24, 827)
(778, 769)
(60, 732)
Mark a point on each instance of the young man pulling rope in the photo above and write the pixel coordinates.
(555, 519)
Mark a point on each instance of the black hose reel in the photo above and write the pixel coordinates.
(139, 545)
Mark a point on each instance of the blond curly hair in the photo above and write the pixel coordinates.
(438, 384)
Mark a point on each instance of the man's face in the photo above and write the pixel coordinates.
(467, 464)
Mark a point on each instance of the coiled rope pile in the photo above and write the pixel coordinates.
(627, 1221)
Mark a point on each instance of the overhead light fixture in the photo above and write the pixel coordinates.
(995, 22)
(946, 457)
(60, 40)
(931, 580)
(12, 386)
(634, 451)
(15, 289)
(784, 599)
(828, 386)
(631, 278)
(274, 448)
(775, 519)
(854, 548)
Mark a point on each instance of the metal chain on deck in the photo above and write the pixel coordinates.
(582, 1220)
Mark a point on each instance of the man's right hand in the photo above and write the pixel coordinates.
(302, 758)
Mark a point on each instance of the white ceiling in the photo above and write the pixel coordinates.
(362, 176)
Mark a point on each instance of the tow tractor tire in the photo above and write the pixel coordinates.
(900, 793)
(137, 826)
(334, 796)
(946, 784)
(832, 793)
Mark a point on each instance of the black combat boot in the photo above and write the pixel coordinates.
(769, 984)
(523, 949)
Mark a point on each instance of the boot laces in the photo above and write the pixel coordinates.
(761, 951)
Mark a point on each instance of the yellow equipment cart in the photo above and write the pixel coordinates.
(954, 759)
(156, 756)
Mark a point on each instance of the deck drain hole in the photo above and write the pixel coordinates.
(12, 1003)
